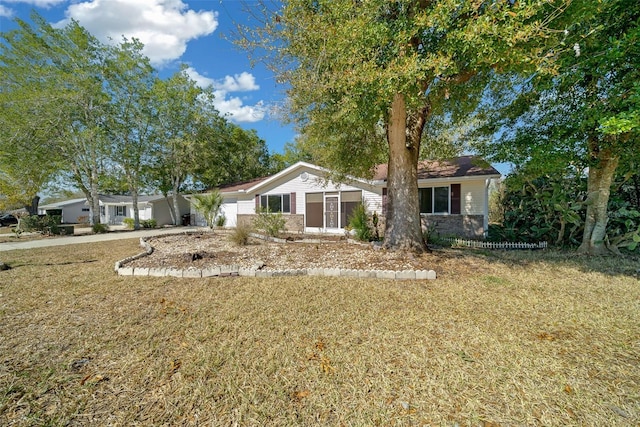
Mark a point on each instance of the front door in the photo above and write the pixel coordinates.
(331, 212)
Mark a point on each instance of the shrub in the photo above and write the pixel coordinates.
(149, 223)
(221, 220)
(359, 223)
(129, 223)
(41, 223)
(100, 228)
(273, 224)
(240, 235)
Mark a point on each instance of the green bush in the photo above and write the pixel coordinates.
(129, 223)
(359, 223)
(221, 220)
(149, 223)
(100, 228)
(47, 224)
(240, 235)
(273, 224)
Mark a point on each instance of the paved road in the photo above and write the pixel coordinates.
(88, 238)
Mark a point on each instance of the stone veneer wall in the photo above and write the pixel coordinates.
(467, 226)
(293, 223)
(463, 226)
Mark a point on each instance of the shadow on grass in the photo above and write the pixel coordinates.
(625, 265)
(31, 264)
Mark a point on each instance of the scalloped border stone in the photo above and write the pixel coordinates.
(256, 270)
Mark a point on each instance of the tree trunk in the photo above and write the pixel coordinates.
(403, 226)
(136, 211)
(598, 188)
(176, 206)
(94, 199)
(33, 207)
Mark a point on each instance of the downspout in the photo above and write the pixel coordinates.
(485, 232)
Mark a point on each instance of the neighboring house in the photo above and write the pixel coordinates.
(114, 209)
(453, 197)
(73, 211)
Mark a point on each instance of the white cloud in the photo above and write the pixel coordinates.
(200, 80)
(163, 26)
(243, 82)
(5, 11)
(232, 106)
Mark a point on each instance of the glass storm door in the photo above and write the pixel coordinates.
(331, 213)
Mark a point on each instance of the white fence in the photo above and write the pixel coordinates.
(495, 245)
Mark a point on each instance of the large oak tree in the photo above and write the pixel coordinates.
(363, 76)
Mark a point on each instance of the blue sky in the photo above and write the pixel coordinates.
(175, 32)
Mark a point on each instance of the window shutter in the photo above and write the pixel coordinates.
(384, 201)
(293, 203)
(455, 199)
(257, 203)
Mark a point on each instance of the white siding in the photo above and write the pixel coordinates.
(230, 210)
(312, 184)
(472, 198)
(247, 206)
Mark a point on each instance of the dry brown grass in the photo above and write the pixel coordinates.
(498, 339)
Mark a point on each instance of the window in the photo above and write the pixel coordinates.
(121, 211)
(434, 200)
(276, 202)
(86, 209)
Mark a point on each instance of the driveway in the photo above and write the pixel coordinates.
(89, 238)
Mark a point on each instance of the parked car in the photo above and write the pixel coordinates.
(7, 219)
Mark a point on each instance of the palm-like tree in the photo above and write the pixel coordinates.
(209, 206)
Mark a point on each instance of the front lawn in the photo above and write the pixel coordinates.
(500, 338)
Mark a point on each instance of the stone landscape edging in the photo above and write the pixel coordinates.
(256, 270)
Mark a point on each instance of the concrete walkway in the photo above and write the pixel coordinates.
(89, 238)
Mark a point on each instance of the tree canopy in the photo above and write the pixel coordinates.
(365, 77)
(582, 117)
(80, 113)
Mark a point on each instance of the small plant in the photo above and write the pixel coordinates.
(240, 235)
(209, 206)
(221, 220)
(359, 223)
(100, 228)
(129, 223)
(17, 231)
(149, 223)
(273, 224)
(375, 220)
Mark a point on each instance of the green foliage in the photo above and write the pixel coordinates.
(548, 208)
(552, 208)
(221, 220)
(149, 223)
(273, 224)
(47, 224)
(128, 222)
(100, 228)
(209, 206)
(359, 223)
(585, 114)
(240, 234)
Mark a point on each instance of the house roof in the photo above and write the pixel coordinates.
(113, 199)
(62, 203)
(458, 167)
(242, 185)
(464, 166)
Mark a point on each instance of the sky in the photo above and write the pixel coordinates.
(192, 32)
